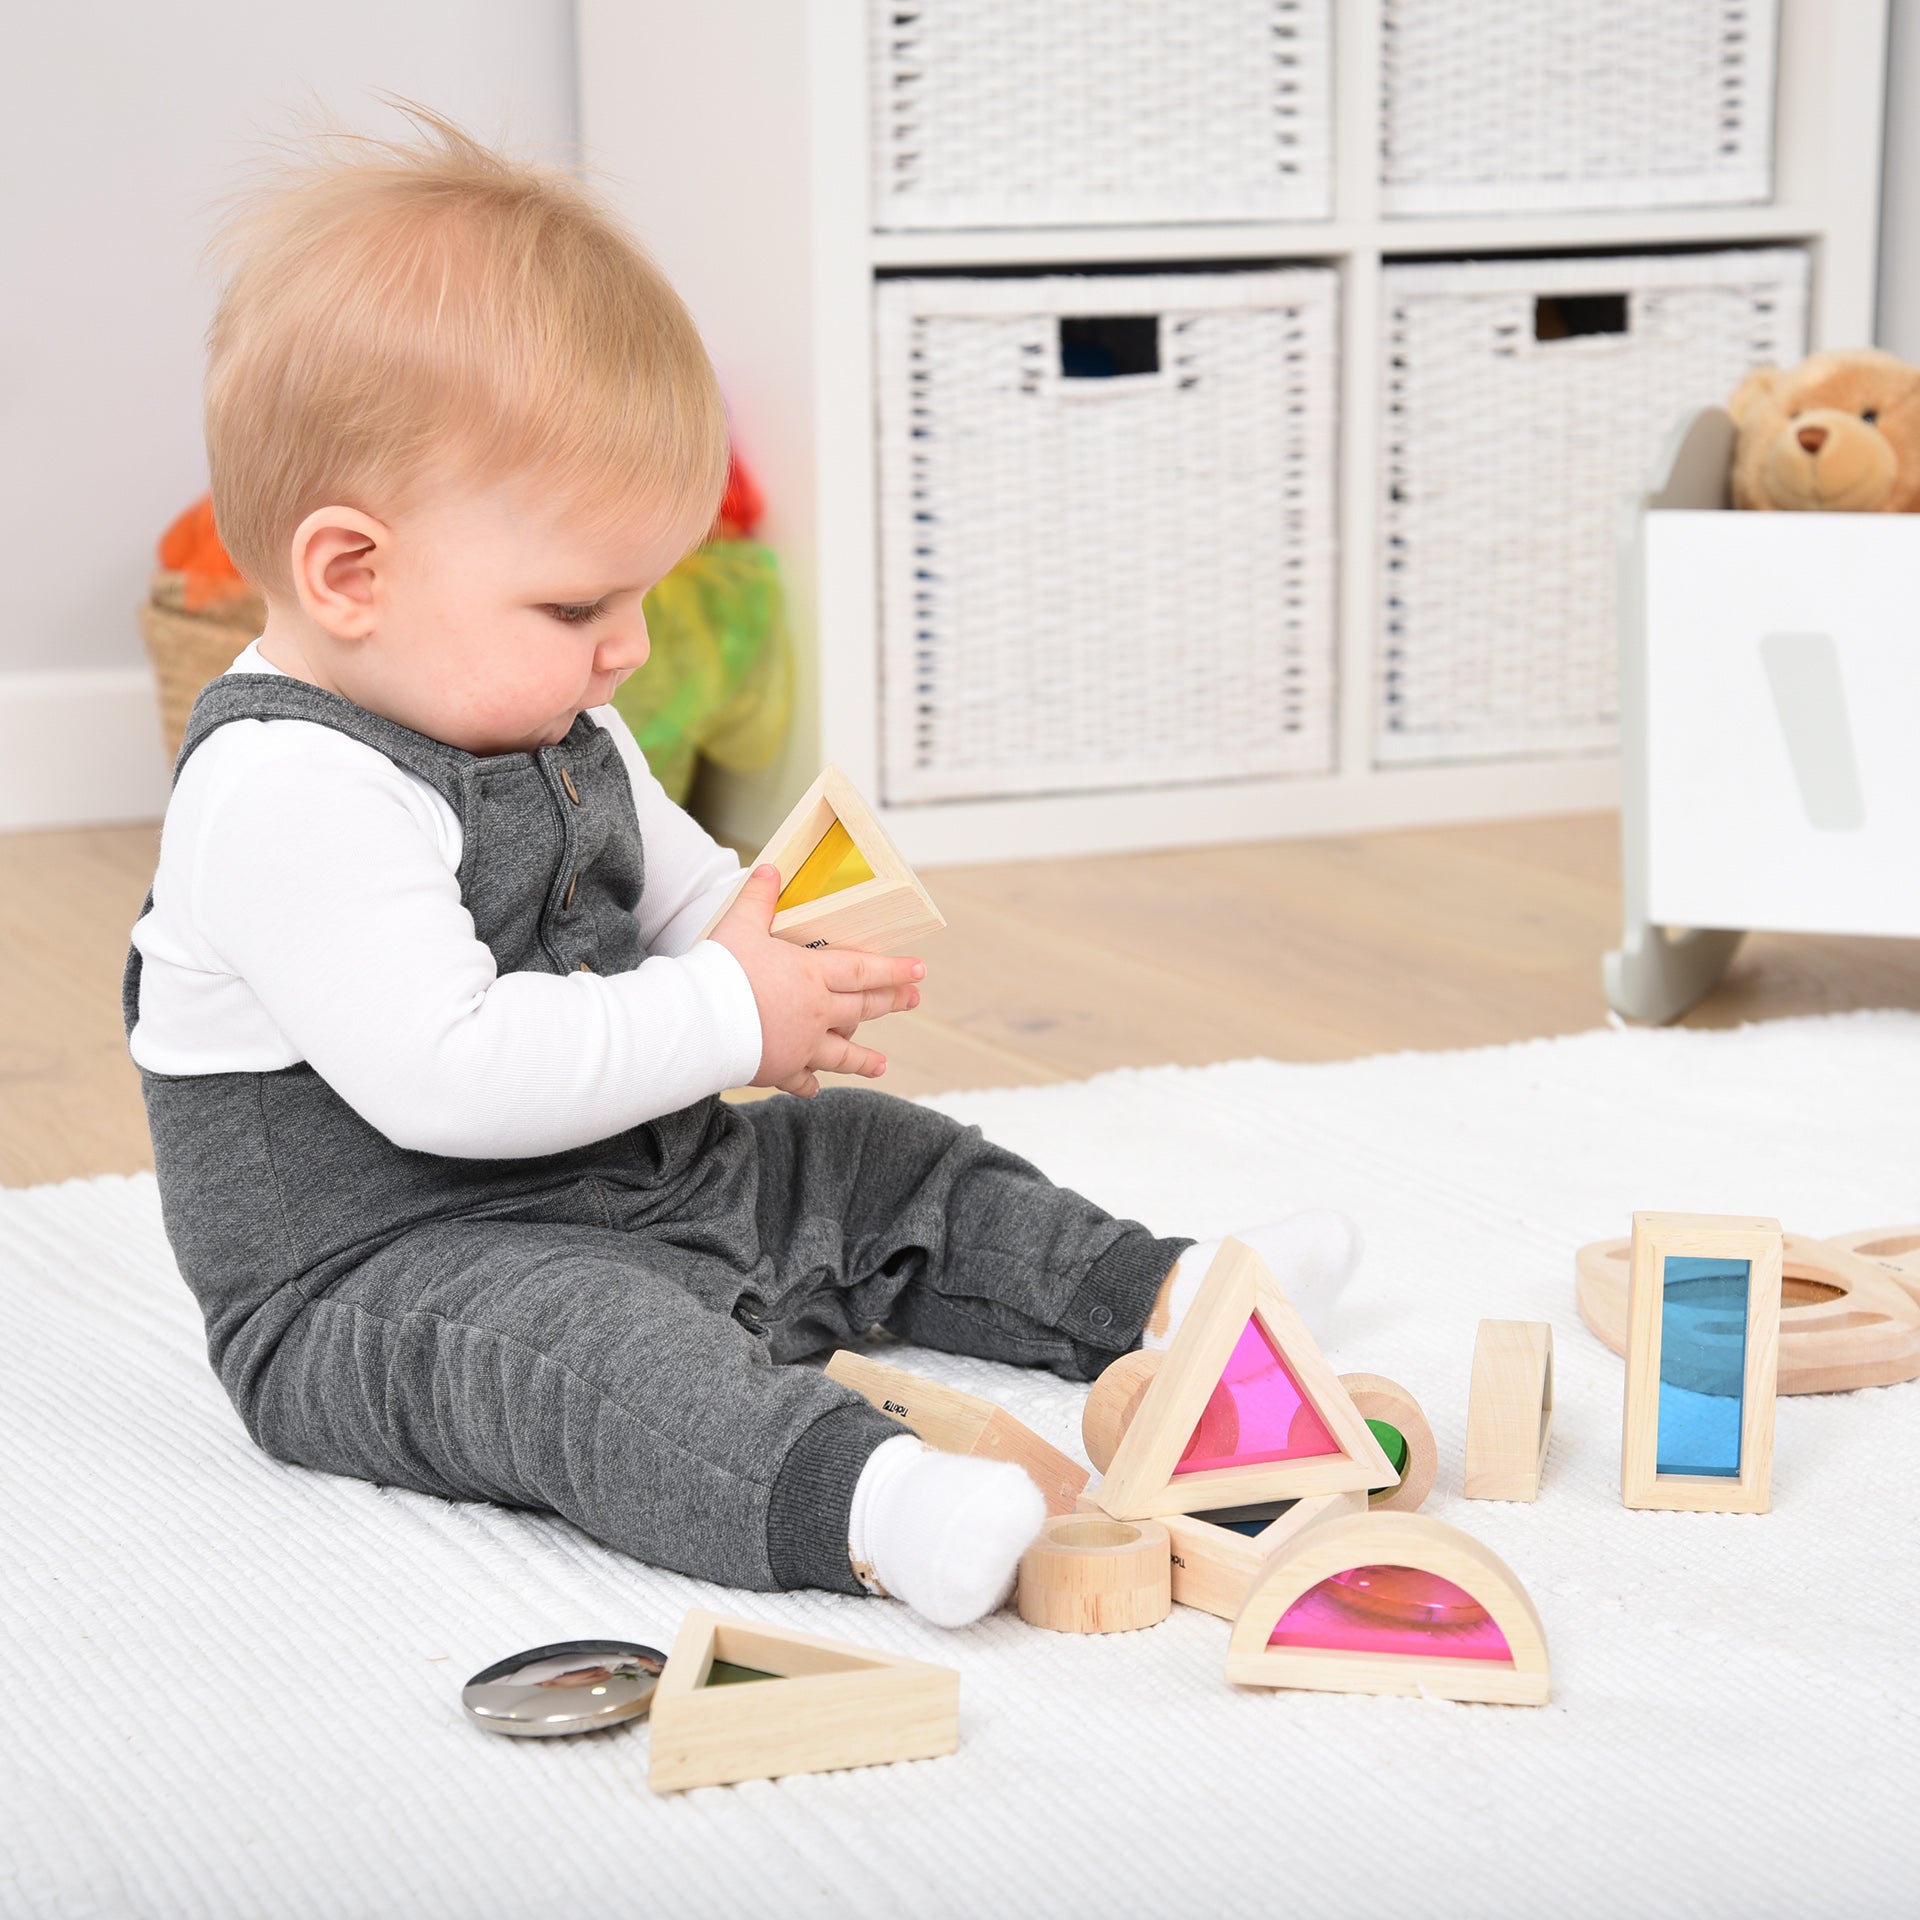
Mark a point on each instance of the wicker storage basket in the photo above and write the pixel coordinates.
(1107, 529)
(189, 649)
(1008, 113)
(1523, 400)
(1500, 106)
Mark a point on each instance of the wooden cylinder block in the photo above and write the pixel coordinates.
(1112, 1401)
(1088, 1574)
(1381, 1399)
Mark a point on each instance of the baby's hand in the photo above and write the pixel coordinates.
(810, 998)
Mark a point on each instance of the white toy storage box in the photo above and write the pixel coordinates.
(1518, 399)
(1106, 531)
(1055, 113)
(1770, 679)
(1511, 106)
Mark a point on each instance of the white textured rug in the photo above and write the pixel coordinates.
(232, 1688)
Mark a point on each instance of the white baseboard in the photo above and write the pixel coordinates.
(80, 749)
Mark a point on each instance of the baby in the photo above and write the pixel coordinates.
(430, 1042)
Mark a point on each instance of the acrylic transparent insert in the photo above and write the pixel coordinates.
(1703, 1365)
(1256, 1414)
(1392, 1610)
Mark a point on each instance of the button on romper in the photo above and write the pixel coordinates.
(602, 1332)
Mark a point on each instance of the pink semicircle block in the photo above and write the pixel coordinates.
(1256, 1414)
(1403, 1610)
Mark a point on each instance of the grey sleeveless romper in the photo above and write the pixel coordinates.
(599, 1332)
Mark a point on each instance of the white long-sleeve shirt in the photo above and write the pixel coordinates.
(306, 908)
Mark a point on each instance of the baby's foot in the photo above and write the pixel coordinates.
(1312, 1255)
(942, 1532)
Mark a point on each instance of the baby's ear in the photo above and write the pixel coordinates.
(339, 558)
(1763, 383)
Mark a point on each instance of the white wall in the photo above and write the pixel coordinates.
(122, 122)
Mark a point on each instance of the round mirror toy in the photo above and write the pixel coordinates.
(574, 1686)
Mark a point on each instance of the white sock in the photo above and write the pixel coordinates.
(1312, 1255)
(942, 1532)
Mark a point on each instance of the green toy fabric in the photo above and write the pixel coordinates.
(718, 682)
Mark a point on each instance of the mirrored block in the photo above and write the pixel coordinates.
(572, 1686)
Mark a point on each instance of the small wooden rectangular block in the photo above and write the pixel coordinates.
(1510, 1410)
(958, 1422)
(828, 1705)
(1657, 1238)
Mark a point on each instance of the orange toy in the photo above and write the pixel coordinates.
(191, 548)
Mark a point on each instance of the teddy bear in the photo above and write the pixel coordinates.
(1840, 433)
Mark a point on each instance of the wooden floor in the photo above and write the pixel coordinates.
(1301, 950)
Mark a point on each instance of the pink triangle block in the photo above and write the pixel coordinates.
(1256, 1414)
(1392, 1610)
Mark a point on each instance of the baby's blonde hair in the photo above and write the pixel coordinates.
(401, 316)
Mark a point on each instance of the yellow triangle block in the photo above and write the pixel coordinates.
(833, 866)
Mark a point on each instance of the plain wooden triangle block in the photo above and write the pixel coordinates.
(884, 913)
(1188, 1407)
(825, 1705)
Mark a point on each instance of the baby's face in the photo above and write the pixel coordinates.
(500, 618)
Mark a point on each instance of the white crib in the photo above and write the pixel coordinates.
(1769, 683)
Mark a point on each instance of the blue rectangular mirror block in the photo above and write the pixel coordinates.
(1703, 1364)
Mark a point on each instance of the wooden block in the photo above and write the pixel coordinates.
(1509, 1409)
(1703, 1349)
(1391, 1603)
(827, 1705)
(1379, 1398)
(957, 1422)
(1213, 1566)
(1896, 1249)
(828, 904)
(1113, 1400)
(1091, 1574)
(1846, 1319)
(1187, 1405)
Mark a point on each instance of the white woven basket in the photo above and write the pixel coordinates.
(1038, 113)
(1501, 106)
(1505, 459)
(1106, 582)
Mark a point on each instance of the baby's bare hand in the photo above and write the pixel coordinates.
(810, 1000)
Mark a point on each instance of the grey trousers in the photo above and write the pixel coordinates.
(612, 1344)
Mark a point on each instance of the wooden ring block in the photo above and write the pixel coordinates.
(1897, 1249)
(1379, 1398)
(1509, 1410)
(1089, 1574)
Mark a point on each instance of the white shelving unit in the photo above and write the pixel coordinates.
(734, 134)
